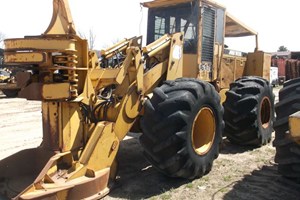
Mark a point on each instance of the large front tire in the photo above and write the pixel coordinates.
(249, 111)
(287, 151)
(182, 128)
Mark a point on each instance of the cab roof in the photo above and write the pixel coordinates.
(163, 3)
(233, 26)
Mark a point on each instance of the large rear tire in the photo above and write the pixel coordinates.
(249, 111)
(182, 128)
(287, 151)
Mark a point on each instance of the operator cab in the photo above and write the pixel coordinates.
(203, 28)
(179, 18)
(204, 24)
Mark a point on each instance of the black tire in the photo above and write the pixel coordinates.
(249, 111)
(169, 138)
(10, 93)
(287, 151)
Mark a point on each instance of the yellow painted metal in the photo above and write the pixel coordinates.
(3, 78)
(83, 188)
(73, 134)
(218, 55)
(56, 91)
(130, 106)
(232, 68)
(258, 64)
(203, 131)
(52, 44)
(21, 57)
(294, 126)
(156, 49)
(175, 57)
(138, 71)
(105, 77)
(164, 3)
(120, 46)
(236, 28)
(232, 28)
(157, 45)
(101, 148)
(61, 126)
(190, 63)
(222, 94)
(127, 63)
(51, 128)
(85, 152)
(91, 148)
(53, 182)
(152, 77)
(61, 22)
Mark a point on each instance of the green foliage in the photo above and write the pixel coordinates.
(282, 48)
(2, 37)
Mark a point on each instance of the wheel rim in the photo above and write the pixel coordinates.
(203, 132)
(265, 112)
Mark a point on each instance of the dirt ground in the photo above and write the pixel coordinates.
(238, 172)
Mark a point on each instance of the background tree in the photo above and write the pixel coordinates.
(91, 38)
(2, 37)
(282, 48)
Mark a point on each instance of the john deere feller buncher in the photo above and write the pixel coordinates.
(173, 88)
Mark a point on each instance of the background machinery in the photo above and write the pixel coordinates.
(8, 84)
(10, 87)
(172, 88)
(4, 76)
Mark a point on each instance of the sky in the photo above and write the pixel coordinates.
(275, 21)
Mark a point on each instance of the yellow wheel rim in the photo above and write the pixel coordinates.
(203, 132)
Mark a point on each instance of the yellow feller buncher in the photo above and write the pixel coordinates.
(287, 130)
(172, 89)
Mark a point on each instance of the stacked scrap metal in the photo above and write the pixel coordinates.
(292, 69)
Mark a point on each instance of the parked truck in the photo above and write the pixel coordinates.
(274, 79)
